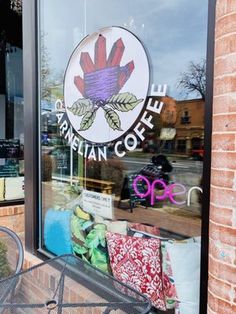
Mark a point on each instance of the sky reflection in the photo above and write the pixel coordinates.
(173, 32)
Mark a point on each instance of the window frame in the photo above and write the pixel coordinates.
(32, 168)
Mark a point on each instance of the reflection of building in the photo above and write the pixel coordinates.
(189, 126)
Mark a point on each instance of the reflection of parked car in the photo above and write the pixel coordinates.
(198, 154)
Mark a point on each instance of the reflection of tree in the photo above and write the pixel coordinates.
(45, 71)
(194, 79)
(51, 81)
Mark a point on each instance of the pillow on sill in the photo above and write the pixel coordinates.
(57, 231)
(137, 263)
(185, 264)
(117, 226)
(168, 280)
(2, 189)
(14, 188)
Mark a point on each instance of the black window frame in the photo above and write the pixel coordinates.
(32, 170)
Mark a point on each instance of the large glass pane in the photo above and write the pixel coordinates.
(122, 132)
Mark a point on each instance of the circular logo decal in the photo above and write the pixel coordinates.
(106, 83)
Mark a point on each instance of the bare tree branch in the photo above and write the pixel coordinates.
(194, 79)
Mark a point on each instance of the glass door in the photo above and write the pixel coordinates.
(122, 107)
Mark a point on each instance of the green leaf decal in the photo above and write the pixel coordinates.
(81, 106)
(123, 102)
(112, 119)
(87, 120)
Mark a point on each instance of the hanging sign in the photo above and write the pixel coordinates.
(105, 91)
(9, 148)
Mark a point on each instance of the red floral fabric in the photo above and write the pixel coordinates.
(136, 262)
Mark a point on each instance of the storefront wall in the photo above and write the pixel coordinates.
(33, 196)
(222, 283)
(222, 238)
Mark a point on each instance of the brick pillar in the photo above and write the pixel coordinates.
(222, 255)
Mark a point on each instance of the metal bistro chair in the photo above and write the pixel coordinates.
(11, 260)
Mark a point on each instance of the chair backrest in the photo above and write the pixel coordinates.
(11, 253)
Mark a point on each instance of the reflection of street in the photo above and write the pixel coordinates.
(179, 219)
(134, 164)
(185, 170)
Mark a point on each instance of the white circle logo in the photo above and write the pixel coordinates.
(106, 83)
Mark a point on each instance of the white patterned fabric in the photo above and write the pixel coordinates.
(117, 226)
(185, 264)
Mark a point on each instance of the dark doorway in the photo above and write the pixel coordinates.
(11, 99)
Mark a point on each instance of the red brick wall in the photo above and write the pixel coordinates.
(41, 284)
(13, 218)
(222, 257)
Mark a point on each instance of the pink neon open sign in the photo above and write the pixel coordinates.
(169, 191)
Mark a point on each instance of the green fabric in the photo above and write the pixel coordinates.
(88, 241)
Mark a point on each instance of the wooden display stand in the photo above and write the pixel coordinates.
(93, 184)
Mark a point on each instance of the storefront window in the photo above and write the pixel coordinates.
(122, 104)
(11, 108)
